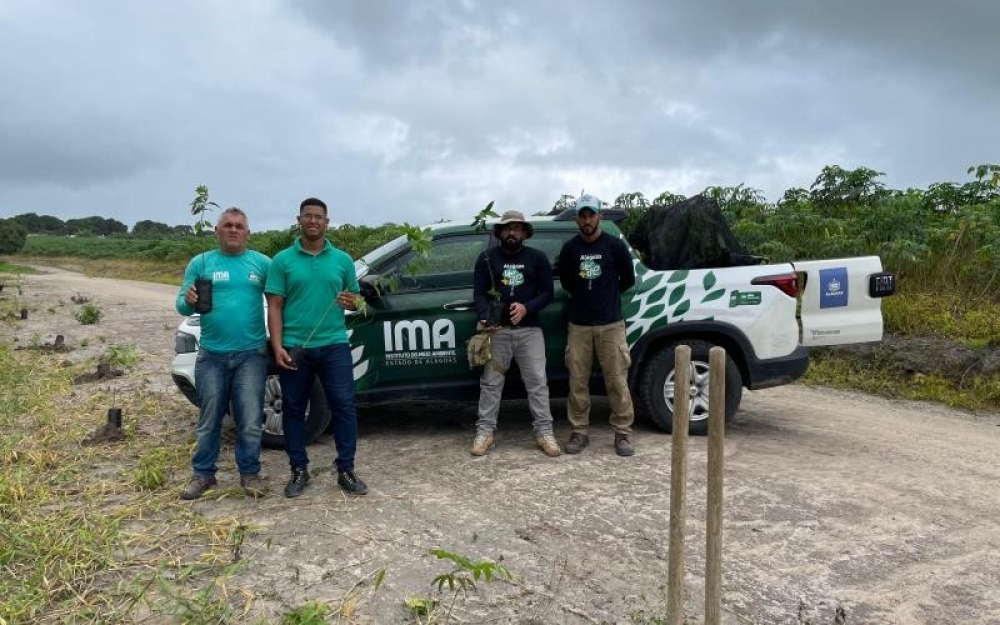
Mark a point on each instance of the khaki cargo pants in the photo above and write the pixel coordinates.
(613, 355)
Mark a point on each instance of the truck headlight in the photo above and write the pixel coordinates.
(184, 343)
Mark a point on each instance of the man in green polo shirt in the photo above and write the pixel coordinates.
(309, 286)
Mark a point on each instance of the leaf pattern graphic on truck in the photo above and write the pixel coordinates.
(662, 297)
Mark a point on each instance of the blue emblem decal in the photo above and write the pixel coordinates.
(833, 287)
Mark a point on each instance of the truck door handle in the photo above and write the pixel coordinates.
(460, 305)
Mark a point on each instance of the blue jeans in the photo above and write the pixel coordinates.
(224, 378)
(335, 369)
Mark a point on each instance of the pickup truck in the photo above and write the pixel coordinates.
(409, 343)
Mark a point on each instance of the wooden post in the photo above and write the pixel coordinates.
(713, 509)
(678, 484)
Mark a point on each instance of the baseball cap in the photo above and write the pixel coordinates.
(587, 201)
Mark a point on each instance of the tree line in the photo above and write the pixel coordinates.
(946, 236)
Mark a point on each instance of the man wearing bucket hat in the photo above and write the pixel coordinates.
(595, 269)
(518, 280)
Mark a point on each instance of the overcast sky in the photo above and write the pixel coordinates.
(421, 110)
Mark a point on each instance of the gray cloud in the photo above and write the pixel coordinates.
(396, 111)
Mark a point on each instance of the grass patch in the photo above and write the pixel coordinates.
(97, 534)
(163, 272)
(973, 393)
(11, 268)
(940, 314)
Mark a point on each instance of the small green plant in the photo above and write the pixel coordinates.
(460, 579)
(199, 206)
(126, 355)
(420, 607)
(89, 314)
(36, 341)
(153, 468)
(479, 222)
(311, 613)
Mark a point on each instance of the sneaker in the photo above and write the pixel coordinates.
(253, 485)
(549, 445)
(351, 483)
(197, 487)
(623, 446)
(297, 483)
(482, 444)
(576, 443)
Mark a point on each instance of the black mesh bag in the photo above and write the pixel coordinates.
(692, 234)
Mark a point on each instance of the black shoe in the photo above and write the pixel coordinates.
(576, 443)
(623, 446)
(298, 481)
(197, 487)
(351, 483)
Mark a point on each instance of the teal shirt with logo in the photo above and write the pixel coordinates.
(236, 321)
(309, 285)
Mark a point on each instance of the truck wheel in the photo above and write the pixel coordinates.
(272, 434)
(656, 388)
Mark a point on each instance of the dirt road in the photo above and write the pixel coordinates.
(839, 507)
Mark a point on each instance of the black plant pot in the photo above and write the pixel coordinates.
(498, 315)
(204, 288)
(297, 354)
(115, 417)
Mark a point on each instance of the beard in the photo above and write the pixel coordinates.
(512, 244)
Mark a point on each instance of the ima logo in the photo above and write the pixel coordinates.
(406, 336)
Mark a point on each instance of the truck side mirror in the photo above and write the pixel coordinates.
(369, 287)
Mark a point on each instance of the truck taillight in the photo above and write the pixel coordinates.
(787, 283)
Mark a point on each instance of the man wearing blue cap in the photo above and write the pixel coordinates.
(595, 269)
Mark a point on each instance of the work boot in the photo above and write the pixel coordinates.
(576, 443)
(197, 487)
(623, 446)
(253, 485)
(482, 444)
(549, 445)
(297, 483)
(351, 483)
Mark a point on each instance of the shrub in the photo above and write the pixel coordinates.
(88, 314)
(12, 236)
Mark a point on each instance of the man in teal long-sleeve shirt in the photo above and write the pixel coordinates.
(233, 357)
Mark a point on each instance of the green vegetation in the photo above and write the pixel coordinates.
(88, 314)
(125, 355)
(94, 534)
(460, 579)
(12, 236)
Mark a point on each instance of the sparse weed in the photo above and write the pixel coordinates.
(79, 298)
(312, 613)
(154, 467)
(126, 355)
(88, 314)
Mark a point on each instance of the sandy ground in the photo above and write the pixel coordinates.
(839, 507)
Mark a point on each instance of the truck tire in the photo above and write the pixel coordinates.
(656, 388)
(272, 433)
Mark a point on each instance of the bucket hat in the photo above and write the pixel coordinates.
(513, 217)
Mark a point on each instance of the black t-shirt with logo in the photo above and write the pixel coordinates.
(524, 276)
(595, 275)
